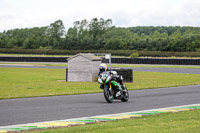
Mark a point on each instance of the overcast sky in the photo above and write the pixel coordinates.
(124, 13)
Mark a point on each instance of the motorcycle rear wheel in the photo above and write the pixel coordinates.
(125, 96)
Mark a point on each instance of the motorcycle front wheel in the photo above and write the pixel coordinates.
(108, 94)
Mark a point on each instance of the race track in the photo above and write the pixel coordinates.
(29, 110)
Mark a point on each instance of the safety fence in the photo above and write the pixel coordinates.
(127, 74)
(33, 59)
(113, 60)
(154, 61)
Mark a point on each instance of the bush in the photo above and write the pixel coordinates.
(134, 55)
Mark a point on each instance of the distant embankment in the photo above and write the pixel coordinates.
(114, 60)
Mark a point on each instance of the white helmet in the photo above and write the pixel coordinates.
(103, 67)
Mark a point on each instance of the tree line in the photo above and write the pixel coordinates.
(100, 34)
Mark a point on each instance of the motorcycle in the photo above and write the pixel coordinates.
(111, 87)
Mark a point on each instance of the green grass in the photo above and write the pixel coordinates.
(30, 82)
(182, 122)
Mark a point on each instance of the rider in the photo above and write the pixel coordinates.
(103, 67)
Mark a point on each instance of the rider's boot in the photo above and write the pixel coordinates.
(123, 88)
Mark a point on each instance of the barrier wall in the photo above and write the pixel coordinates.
(153, 61)
(33, 59)
(127, 74)
(114, 60)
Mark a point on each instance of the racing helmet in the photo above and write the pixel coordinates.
(102, 67)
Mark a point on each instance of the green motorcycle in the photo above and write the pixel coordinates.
(111, 87)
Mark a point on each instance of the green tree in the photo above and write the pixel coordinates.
(87, 35)
(118, 38)
(135, 43)
(175, 42)
(55, 34)
(97, 28)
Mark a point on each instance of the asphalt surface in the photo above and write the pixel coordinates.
(29, 110)
(172, 70)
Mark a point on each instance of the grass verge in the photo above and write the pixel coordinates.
(30, 82)
(182, 122)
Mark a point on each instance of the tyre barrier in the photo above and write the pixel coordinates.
(33, 59)
(153, 61)
(66, 74)
(113, 60)
(127, 74)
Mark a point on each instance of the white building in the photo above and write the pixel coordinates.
(83, 67)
